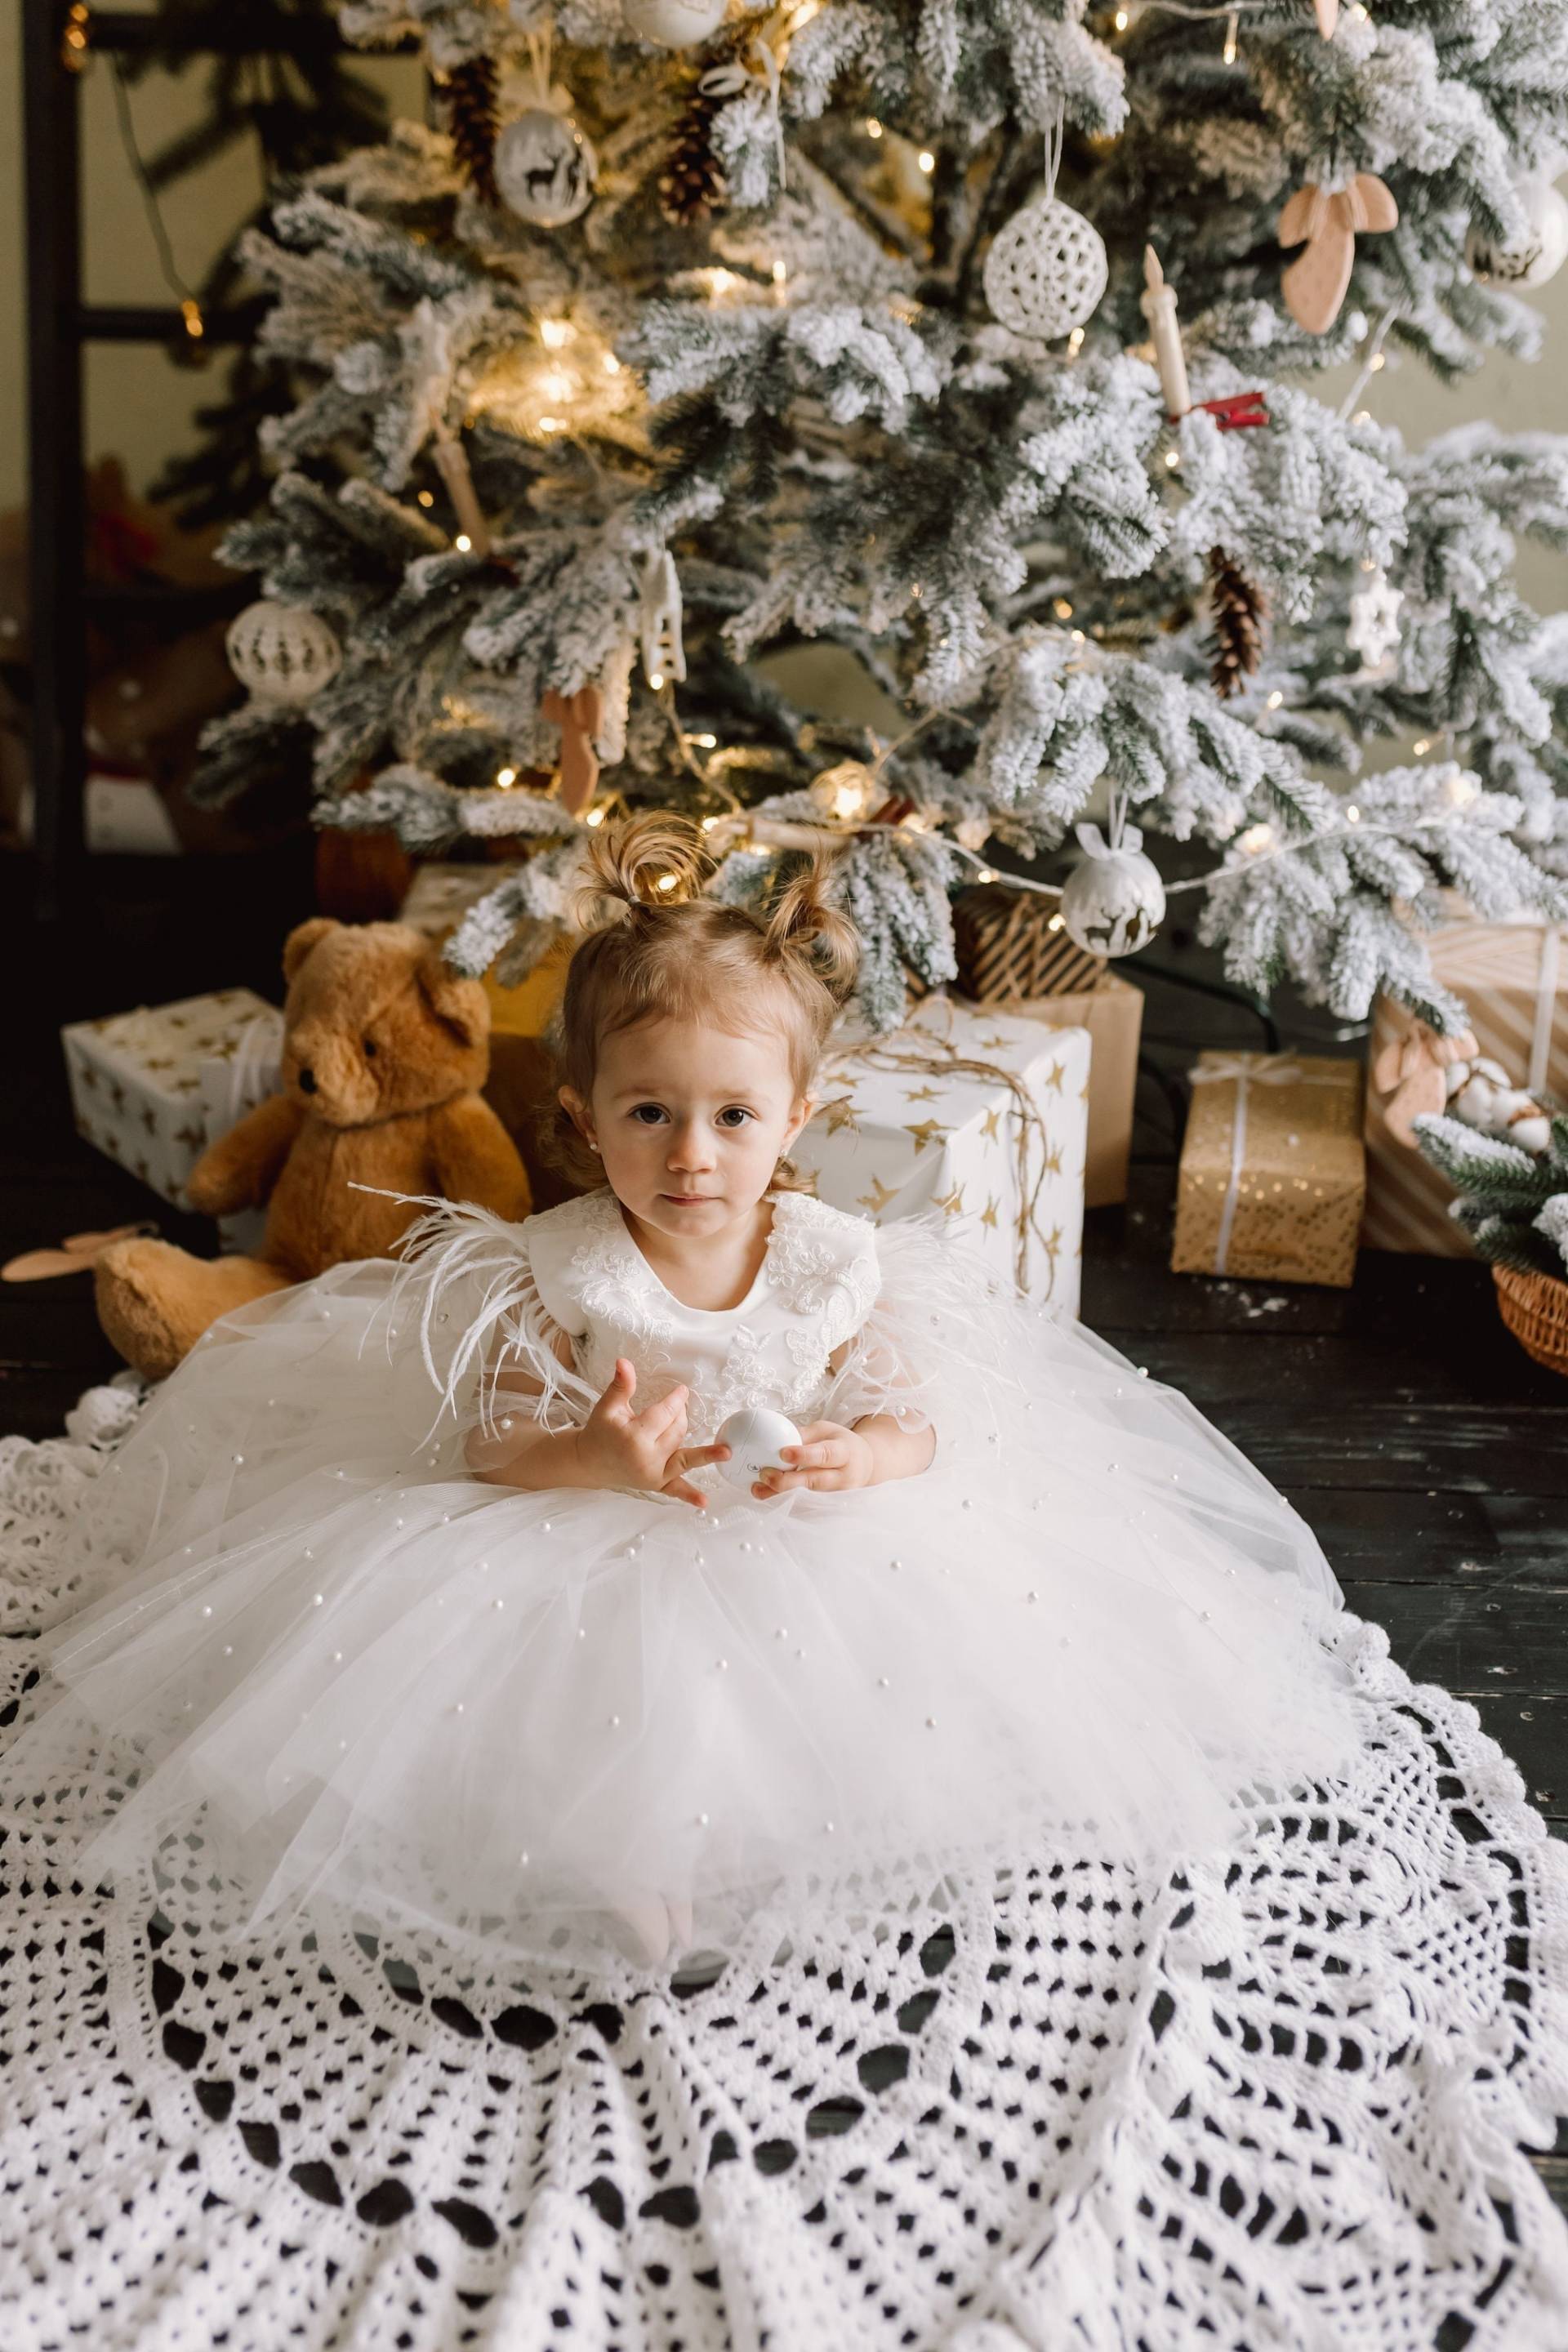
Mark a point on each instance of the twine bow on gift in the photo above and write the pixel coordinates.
(1329, 221)
(1247, 1070)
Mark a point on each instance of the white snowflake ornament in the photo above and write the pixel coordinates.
(1373, 631)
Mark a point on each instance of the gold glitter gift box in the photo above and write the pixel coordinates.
(1273, 1173)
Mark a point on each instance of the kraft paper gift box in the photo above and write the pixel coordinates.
(1514, 979)
(1111, 1010)
(975, 1114)
(1272, 1175)
(520, 1088)
(153, 1087)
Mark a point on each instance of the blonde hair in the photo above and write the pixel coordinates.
(661, 951)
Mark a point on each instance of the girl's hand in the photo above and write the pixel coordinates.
(828, 1459)
(619, 1447)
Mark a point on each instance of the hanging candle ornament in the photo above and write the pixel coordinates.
(1536, 256)
(544, 167)
(1046, 270)
(674, 24)
(1114, 901)
(663, 654)
(282, 654)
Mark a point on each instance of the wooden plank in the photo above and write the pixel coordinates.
(1511, 1645)
(1390, 1533)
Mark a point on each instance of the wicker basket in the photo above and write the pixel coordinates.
(1535, 1309)
(1007, 951)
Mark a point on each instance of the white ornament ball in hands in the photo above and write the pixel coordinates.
(283, 653)
(754, 1438)
(1113, 901)
(545, 168)
(1535, 257)
(1046, 270)
(674, 24)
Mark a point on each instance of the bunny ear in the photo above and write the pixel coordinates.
(1378, 208)
(1422, 1090)
(1388, 1065)
(1131, 837)
(1091, 840)
(1296, 220)
(1315, 286)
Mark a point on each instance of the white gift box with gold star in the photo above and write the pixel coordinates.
(153, 1087)
(977, 1114)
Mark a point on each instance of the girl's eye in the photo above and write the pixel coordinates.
(647, 1114)
(735, 1115)
(371, 1049)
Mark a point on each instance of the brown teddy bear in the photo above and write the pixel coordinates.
(385, 1051)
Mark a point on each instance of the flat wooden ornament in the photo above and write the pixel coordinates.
(1328, 223)
(1327, 13)
(578, 717)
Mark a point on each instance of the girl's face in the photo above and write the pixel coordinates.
(690, 1121)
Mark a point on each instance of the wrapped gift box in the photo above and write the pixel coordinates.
(975, 1113)
(1272, 1176)
(520, 1086)
(153, 1087)
(1111, 1010)
(1514, 979)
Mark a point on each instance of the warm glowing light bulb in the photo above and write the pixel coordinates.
(1055, 924)
(426, 498)
(1461, 790)
(1078, 637)
(1275, 699)
(1122, 20)
(781, 271)
(873, 128)
(594, 816)
(462, 542)
(1353, 814)
(1062, 609)
(655, 679)
(506, 778)
(926, 160)
(1075, 343)
(1378, 361)
(558, 384)
(708, 822)
(1256, 839)
(610, 363)
(1423, 747)
(986, 874)
(666, 882)
(195, 325)
(554, 332)
(552, 425)
(1362, 416)
(1172, 458)
(706, 743)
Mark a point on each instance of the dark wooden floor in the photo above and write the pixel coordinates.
(1425, 1449)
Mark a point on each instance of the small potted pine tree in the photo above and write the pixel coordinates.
(1514, 1206)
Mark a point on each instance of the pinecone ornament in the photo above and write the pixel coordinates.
(692, 183)
(1240, 611)
(472, 122)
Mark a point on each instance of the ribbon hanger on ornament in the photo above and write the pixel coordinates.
(729, 79)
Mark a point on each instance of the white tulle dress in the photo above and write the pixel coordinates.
(339, 1668)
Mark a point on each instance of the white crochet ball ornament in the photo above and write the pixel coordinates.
(754, 1439)
(283, 653)
(1114, 901)
(1537, 255)
(674, 24)
(1046, 270)
(545, 168)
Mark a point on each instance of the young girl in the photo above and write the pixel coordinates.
(430, 1597)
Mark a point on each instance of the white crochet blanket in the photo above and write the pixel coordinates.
(1276, 2105)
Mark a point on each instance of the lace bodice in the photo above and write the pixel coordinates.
(815, 1288)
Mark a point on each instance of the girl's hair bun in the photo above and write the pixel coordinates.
(651, 860)
(805, 922)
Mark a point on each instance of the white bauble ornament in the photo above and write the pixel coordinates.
(283, 653)
(1046, 270)
(1114, 901)
(1535, 257)
(544, 167)
(754, 1439)
(674, 24)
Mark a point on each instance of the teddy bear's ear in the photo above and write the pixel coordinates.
(302, 938)
(460, 1004)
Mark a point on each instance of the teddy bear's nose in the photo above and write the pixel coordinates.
(306, 1081)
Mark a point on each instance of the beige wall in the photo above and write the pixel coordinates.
(139, 407)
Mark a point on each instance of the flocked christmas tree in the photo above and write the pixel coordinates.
(972, 337)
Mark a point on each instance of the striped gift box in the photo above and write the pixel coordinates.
(1514, 979)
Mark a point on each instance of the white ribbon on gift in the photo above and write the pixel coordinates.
(1247, 1070)
(1545, 1008)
